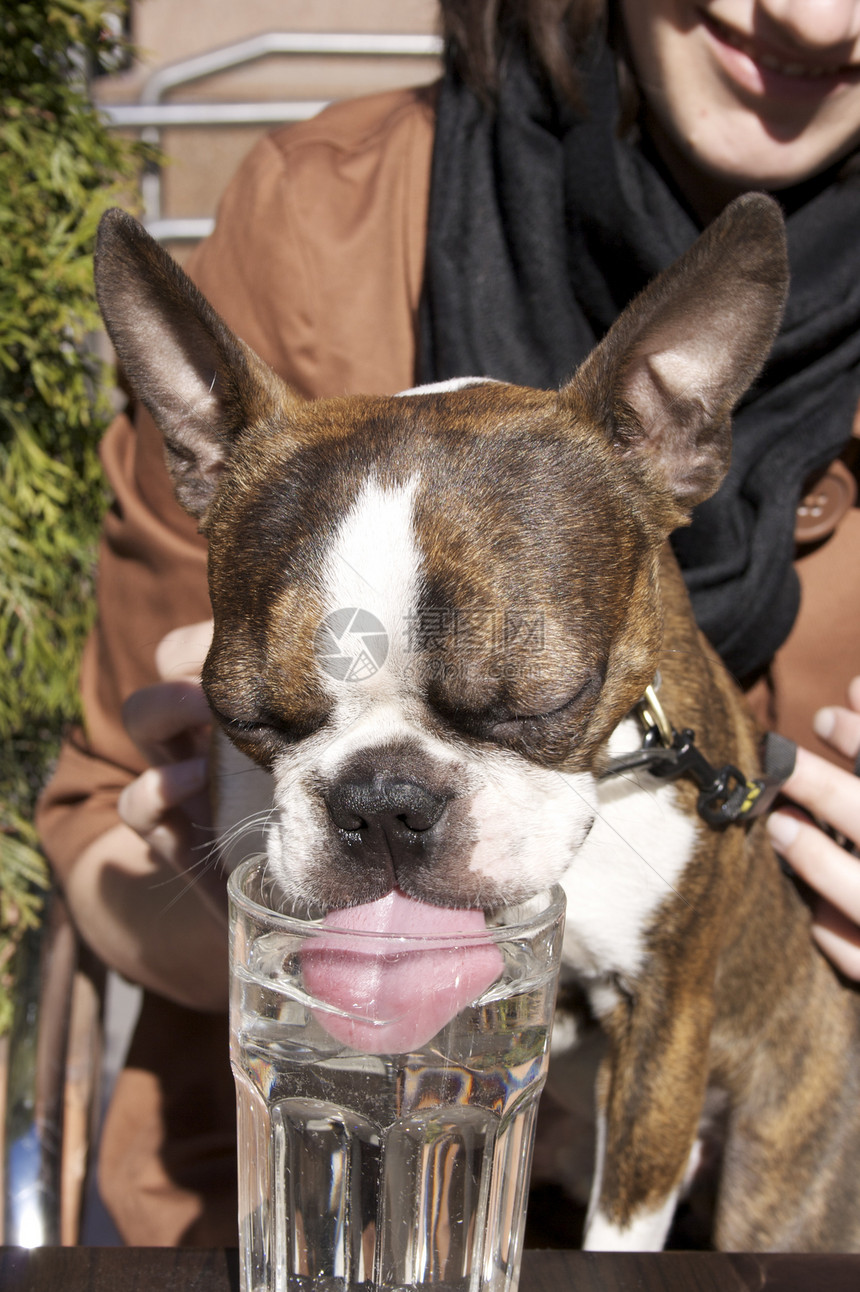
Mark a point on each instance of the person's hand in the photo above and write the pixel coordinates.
(145, 894)
(831, 796)
(168, 804)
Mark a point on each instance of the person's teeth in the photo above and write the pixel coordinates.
(787, 69)
(769, 61)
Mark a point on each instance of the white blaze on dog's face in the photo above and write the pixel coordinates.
(415, 631)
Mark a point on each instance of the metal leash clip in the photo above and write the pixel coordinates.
(653, 716)
(726, 795)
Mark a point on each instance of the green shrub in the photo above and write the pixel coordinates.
(60, 168)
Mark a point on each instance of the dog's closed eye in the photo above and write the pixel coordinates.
(566, 708)
(263, 735)
(544, 735)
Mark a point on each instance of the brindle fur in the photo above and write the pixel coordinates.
(565, 498)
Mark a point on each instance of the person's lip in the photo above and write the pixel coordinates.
(764, 67)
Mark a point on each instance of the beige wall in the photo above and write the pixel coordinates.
(202, 158)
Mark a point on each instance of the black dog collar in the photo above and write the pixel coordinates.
(726, 795)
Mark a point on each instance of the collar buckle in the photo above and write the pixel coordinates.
(726, 795)
(652, 715)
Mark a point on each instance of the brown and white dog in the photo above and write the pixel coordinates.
(434, 614)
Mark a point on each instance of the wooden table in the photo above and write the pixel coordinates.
(150, 1269)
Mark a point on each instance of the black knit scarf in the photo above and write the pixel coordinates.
(544, 224)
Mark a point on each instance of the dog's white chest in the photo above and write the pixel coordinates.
(631, 862)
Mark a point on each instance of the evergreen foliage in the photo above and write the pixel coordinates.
(60, 168)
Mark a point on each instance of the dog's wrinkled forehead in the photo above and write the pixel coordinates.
(494, 471)
(485, 503)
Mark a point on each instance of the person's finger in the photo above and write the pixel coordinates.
(831, 794)
(840, 727)
(819, 860)
(838, 937)
(168, 721)
(144, 804)
(182, 652)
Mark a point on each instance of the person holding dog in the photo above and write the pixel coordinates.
(414, 237)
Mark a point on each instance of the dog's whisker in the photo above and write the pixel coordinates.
(210, 861)
(188, 878)
(229, 841)
(234, 772)
(247, 825)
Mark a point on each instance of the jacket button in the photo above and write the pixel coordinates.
(825, 503)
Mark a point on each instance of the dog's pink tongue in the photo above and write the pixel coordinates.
(394, 1000)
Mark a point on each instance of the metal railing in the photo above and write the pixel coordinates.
(34, 1106)
(151, 114)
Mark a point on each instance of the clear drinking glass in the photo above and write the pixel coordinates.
(370, 1153)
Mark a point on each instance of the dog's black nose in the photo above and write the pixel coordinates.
(386, 807)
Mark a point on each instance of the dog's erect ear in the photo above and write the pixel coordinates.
(202, 385)
(687, 348)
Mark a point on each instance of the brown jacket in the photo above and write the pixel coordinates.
(316, 262)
